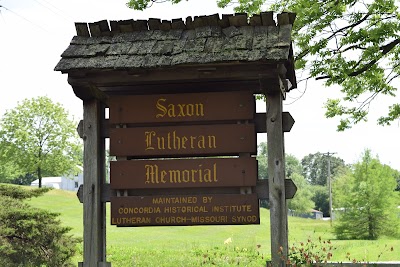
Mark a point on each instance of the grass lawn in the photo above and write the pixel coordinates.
(204, 245)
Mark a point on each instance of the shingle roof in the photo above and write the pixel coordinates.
(153, 44)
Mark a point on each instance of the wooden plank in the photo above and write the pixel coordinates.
(212, 20)
(276, 174)
(267, 18)
(173, 88)
(94, 212)
(255, 20)
(188, 107)
(261, 124)
(178, 24)
(89, 92)
(140, 25)
(190, 74)
(259, 121)
(125, 25)
(183, 173)
(240, 19)
(82, 29)
(178, 141)
(185, 210)
(94, 29)
(165, 25)
(261, 189)
(104, 27)
(154, 24)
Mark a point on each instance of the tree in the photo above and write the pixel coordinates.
(353, 44)
(262, 159)
(370, 206)
(301, 202)
(315, 167)
(340, 187)
(321, 199)
(292, 166)
(30, 236)
(37, 137)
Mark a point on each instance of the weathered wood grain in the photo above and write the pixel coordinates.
(276, 175)
(261, 189)
(94, 212)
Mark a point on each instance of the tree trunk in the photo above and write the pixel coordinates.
(39, 174)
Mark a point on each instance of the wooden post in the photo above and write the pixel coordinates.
(94, 210)
(276, 173)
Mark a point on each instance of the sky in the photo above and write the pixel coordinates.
(34, 33)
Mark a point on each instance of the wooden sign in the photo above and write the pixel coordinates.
(175, 141)
(189, 107)
(223, 209)
(183, 173)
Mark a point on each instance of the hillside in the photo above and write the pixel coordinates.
(192, 243)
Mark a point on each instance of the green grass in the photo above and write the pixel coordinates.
(204, 245)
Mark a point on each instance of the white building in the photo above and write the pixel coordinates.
(70, 182)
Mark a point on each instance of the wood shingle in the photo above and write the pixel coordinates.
(140, 44)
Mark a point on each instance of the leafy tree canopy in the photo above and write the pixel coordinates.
(369, 202)
(302, 201)
(315, 167)
(37, 137)
(352, 43)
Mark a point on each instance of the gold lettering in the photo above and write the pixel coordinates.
(183, 110)
(192, 139)
(215, 172)
(176, 141)
(169, 140)
(148, 139)
(163, 174)
(184, 140)
(153, 175)
(150, 173)
(190, 110)
(171, 110)
(130, 220)
(175, 176)
(161, 107)
(207, 176)
(185, 176)
(244, 219)
(201, 142)
(161, 143)
(193, 176)
(212, 142)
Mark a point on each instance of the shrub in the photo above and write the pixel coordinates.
(30, 236)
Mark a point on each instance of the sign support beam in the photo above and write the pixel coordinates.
(94, 210)
(276, 173)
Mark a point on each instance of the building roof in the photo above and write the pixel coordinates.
(147, 44)
(48, 180)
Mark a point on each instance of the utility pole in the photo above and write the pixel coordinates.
(330, 184)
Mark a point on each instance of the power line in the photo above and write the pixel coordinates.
(23, 18)
(1, 14)
(60, 13)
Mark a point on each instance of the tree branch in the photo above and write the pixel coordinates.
(306, 51)
(385, 49)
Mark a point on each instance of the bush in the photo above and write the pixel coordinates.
(30, 236)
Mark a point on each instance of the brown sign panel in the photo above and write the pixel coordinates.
(189, 107)
(175, 141)
(183, 173)
(223, 209)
